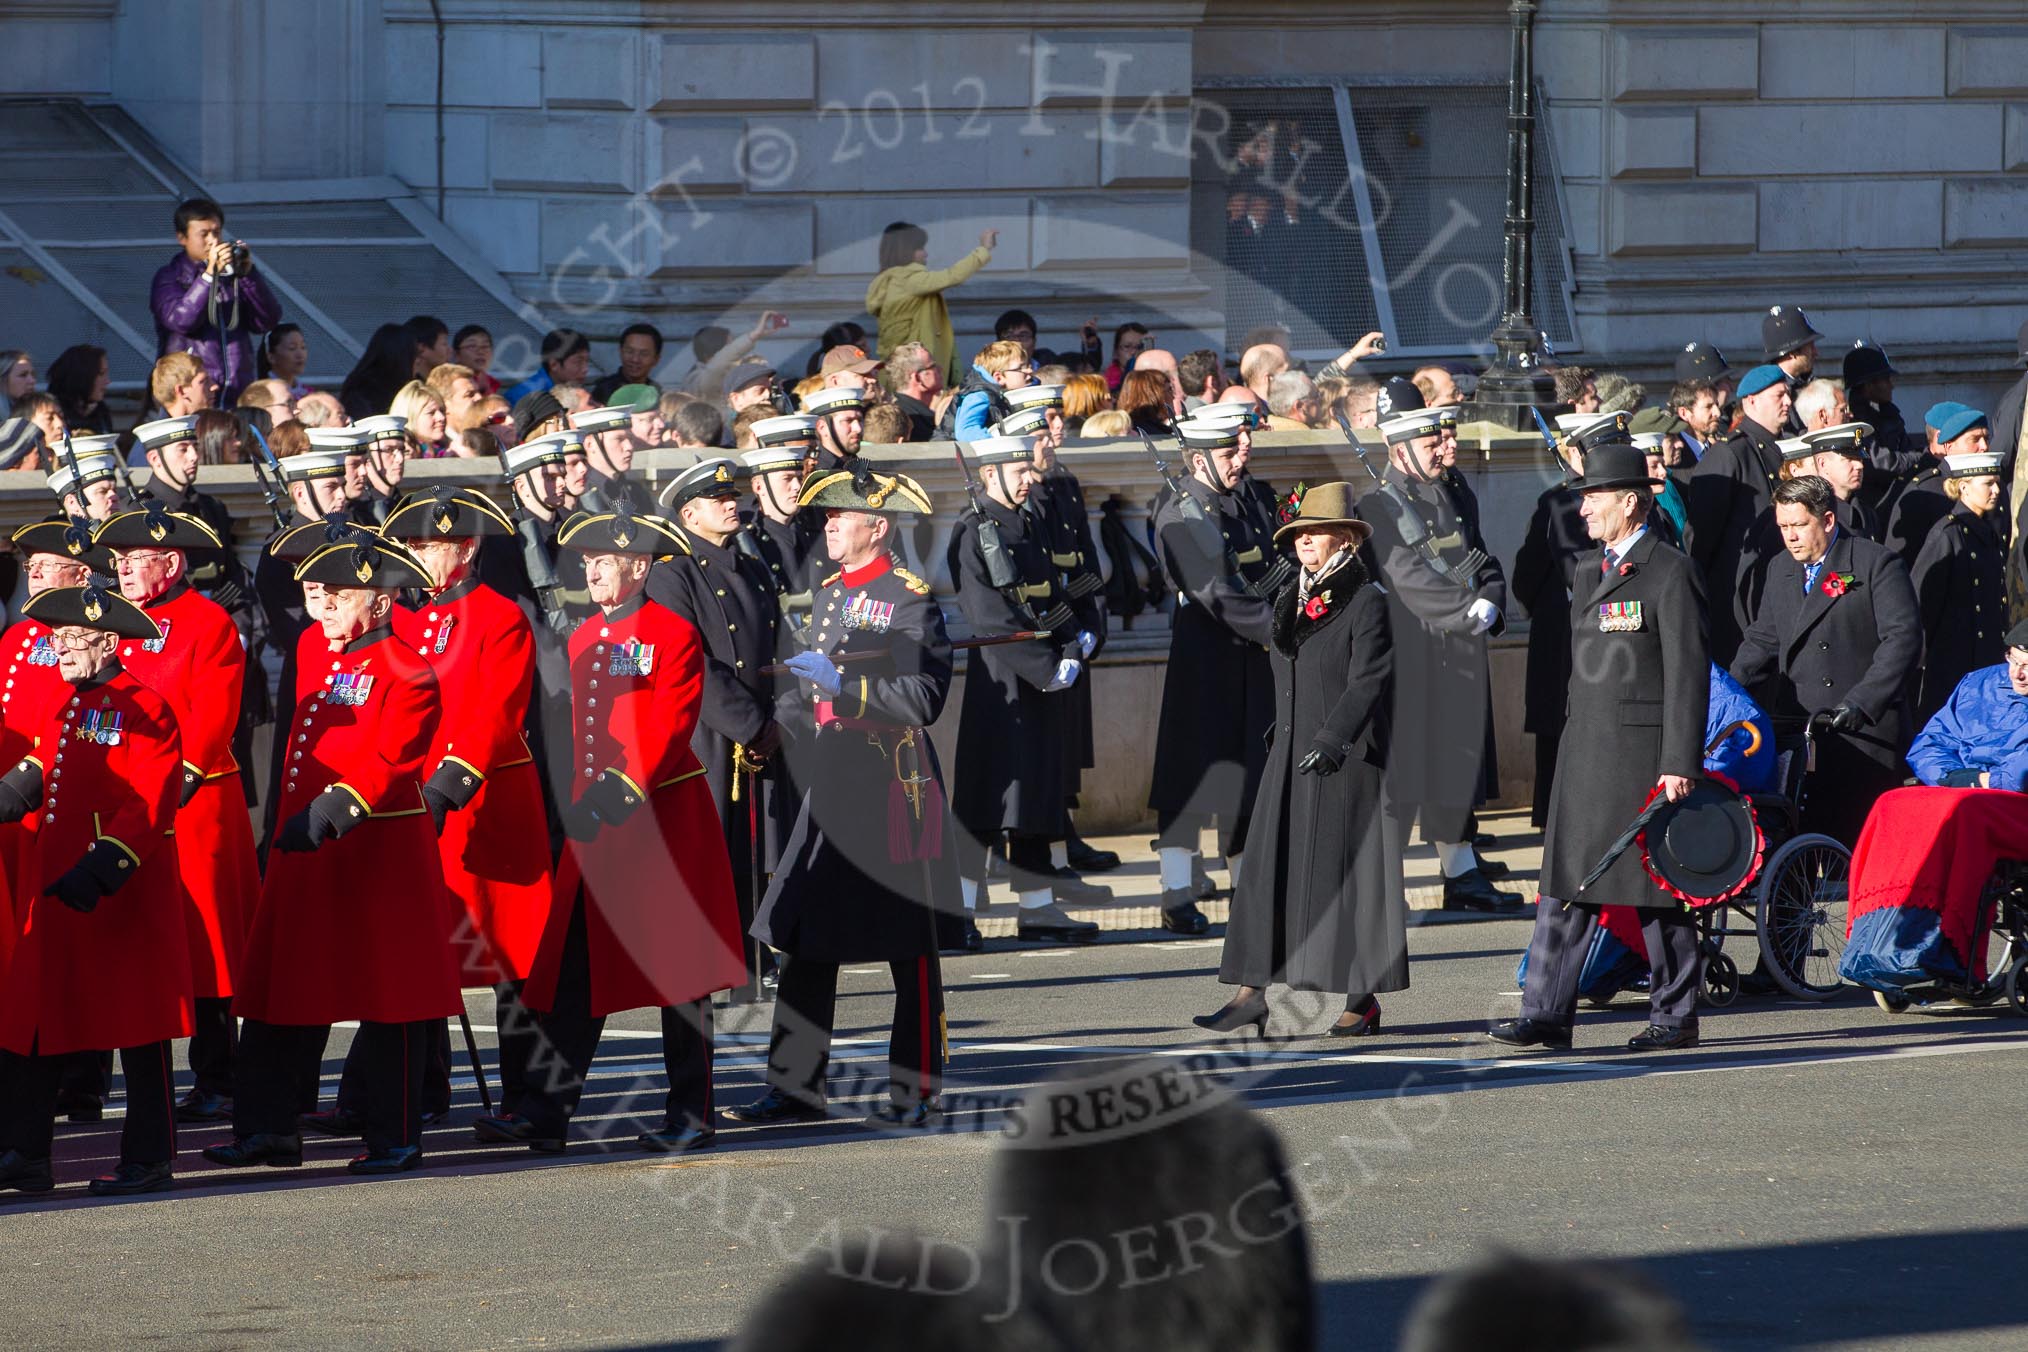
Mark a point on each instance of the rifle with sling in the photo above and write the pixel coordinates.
(1415, 530)
(1001, 574)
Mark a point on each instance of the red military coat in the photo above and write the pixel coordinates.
(120, 976)
(32, 687)
(661, 920)
(359, 928)
(199, 666)
(495, 850)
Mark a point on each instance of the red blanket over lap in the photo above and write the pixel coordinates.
(1934, 849)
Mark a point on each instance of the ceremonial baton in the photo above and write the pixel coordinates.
(842, 659)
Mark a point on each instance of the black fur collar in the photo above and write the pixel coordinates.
(1329, 599)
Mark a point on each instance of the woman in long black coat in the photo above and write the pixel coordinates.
(1320, 905)
(1960, 582)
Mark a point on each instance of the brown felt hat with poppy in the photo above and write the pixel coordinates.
(1325, 505)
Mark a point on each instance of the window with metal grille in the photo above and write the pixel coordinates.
(1339, 209)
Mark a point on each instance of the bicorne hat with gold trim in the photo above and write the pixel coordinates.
(623, 531)
(156, 527)
(865, 490)
(365, 560)
(301, 541)
(91, 608)
(446, 512)
(71, 540)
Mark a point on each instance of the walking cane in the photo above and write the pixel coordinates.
(478, 1071)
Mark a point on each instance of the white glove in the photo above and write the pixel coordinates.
(1066, 674)
(1483, 614)
(1087, 641)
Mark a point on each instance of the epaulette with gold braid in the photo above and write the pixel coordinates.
(833, 578)
(913, 583)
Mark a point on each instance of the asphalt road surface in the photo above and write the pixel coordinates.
(1811, 1176)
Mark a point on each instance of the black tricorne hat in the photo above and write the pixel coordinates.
(365, 560)
(299, 542)
(156, 527)
(1705, 846)
(91, 608)
(1618, 464)
(70, 539)
(446, 513)
(620, 532)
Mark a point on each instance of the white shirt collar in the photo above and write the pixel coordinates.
(1619, 551)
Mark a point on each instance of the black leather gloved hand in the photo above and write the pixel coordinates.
(332, 814)
(99, 873)
(1847, 718)
(20, 791)
(192, 782)
(76, 889)
(1318, 762)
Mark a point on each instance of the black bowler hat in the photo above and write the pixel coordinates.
(1617, 464)
(1865, 362)
(1701, 361)
(91, 608)
(1783, 330)
(1705, 846)
(446, 513)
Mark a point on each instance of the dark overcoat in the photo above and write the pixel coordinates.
(1960, 581)
(1640, 686)
(1012, 730)
(869, 873)
(1732, 533)
(793, 552)
(1217, 691)
(1057, 505)
(1543, 571)
(1810, 652)
(1919, 507)
(1442, 699)
(1319, 905)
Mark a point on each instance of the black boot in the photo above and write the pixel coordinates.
(1471, 891)
(1086, 859)
(1180, 914)
(22, 1174)
(130, 1179)
(270, 1148)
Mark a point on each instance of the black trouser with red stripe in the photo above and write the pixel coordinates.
(214, 1038)
(28, 1088)
(552, 1083)
(799, 1052)
(279, 1066)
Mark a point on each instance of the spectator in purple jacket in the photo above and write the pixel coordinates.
(208, 301)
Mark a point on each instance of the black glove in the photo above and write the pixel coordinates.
(77, 889)
(1962, 779)
(1848, 718)
(192, 782)
(102, 870)
(580, 823)
(1318, 762)
(440, 807)
(20, 791)
(332, 814)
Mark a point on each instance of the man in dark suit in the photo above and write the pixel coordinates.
(1639, 691)
(1728, 493)
(1838, 633)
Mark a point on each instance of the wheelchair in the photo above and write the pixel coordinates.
(1794, 906)
(2006, 903)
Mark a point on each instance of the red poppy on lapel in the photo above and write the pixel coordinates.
(1316, 606)
(1837, 584)
(1626, 570)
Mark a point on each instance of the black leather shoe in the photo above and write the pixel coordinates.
(1656, 1038)
(78, 1106)
(394, 1160)
(1493, 868)
(1085, 859)
(676, 1140)
(778, 1106)
(1759, 981)
(1471, 891)
(1236, 1014)
(198, 1106)
(130, 1179)
(973, 941)
(1201, 886)
(503, 1128)
(333, 1123)
(270, 1148)
(1181, 916)
(22, 1174)
(1530, 1033)
(1048, 924)
(1071, 890)
(908, 1116)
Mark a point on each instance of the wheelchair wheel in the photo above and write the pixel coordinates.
(2017, 984)
(1890, 1004)
(1721, 980)
(1802, 899)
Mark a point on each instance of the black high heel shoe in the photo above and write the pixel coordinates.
(1367, 1023)
(1237, 1014)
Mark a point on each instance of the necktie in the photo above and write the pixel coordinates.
(1810, 572)
(1605, 563)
